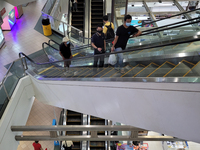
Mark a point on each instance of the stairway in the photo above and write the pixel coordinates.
(78, 17)
(97, 145)
(96, 14)
(74, 118)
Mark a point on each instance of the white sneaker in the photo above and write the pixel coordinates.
(76, 72)
(66, 73)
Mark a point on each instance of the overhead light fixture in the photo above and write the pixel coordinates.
(138, 5)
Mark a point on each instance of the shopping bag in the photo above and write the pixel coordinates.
(112, 59)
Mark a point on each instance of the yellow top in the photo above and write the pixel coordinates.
(105, 28)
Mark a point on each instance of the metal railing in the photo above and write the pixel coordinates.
(65, 29)
(135, 135)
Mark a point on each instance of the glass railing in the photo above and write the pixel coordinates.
(83, 67)
(170, 34)
(178, 32)
(75, 35)
(7, 86)
(48, 6)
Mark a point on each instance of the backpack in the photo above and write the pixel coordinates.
(110, 32)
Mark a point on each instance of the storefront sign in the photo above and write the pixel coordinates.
(3, 11)
(147, 23)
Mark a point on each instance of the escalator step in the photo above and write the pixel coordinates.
(147, 70)
(180, 70)
(132, 71)
(79, 72)
(160, 72)
(103, 72)
(195, 71)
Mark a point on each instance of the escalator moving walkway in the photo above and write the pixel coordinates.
(74, 118)
(78, 17)
(96, 14)
(97, 145)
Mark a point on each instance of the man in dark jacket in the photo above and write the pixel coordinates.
(99, 45)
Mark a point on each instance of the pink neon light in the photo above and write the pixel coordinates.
(16, 12)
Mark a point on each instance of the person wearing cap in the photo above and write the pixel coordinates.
(65, 52)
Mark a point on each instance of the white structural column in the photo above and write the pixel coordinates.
(181, 9)
(153, 18)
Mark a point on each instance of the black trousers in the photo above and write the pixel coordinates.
(68, 148)
(74, 6)
(98, 58)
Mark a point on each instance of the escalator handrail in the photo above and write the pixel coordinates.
(110, 40)
(171, 27)
(171, 24)
(169, 17)
(89, 45)
(106, 54)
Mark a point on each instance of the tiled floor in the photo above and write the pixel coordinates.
(23, 37)
(41, 114)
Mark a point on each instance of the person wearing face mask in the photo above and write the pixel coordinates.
(65, 52)
(99, 45)
(122, 35)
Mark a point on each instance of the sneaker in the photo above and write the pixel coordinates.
(117, 68)
(122, 71)
(66, 73)
(75, 73)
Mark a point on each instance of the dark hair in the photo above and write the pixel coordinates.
(127, 17)
(105, 18)
(99, 25)
(36, 141)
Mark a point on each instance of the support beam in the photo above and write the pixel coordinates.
(151, 15)
(98, 138)
(181, 9)
(113, 11)
(94, 134)
(126, 7)
(134, 134)
(76, 128)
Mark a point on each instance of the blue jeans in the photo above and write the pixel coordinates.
(120, 58)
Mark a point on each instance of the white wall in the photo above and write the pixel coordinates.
(108, 6)
(64, 6)
(168, 108)
(7, 6)
(16, 113)
(19, 2)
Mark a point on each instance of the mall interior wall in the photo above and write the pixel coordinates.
(16, 113)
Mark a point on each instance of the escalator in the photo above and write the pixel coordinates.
(156, 79)
(74, 118)
(138, 57)
(170, 33)
(78, 16)
(96, 14)
(137, 63)
(97, 145)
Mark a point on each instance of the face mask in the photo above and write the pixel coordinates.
(68, 42)
(99, 31)
(128, 24)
